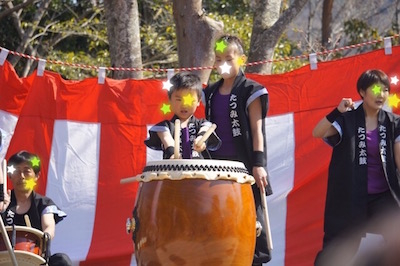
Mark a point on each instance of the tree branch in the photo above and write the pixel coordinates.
(16, 8)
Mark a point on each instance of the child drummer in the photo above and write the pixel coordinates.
(184, 97)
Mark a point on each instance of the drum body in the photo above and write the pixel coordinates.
(194, 222)
(28, 249)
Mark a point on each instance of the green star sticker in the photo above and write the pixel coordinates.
(376, 89)
(220, 46)
(166, 108)
(35, 161)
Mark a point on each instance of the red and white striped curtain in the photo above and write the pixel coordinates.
(89, 136)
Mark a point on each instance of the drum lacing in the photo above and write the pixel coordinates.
(191, 167)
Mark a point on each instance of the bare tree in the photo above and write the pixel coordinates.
(268, 26)
(124, 36)
(25, 34)
(195, 34)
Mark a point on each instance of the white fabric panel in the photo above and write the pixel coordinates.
(72, 184)
(7, 125)
(152, 155)
(281, 155)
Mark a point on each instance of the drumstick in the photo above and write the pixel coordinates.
(27, 221)
(207, 134)
(177, 138)
(3, 176)
(266, 218)
(128, 180)
(6, 240)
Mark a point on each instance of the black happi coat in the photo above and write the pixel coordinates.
(244, 91)
(39, 205)
(194, 126)
(346, 199)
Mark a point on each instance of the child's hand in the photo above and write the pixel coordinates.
(197, 147)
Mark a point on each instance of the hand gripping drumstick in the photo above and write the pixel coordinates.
(4, 176)
(177, 138)
(6, 239)
(266, 218)
(27, 220)
(207, 134)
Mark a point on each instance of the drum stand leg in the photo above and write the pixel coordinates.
(8, 243)
(266, 218)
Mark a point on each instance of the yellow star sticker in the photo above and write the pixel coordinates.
(30, 184)
(393, 100)
(240, 61)
(35, 161)
(166, 108)
(188, 100)
(376, 89)
(220, 46)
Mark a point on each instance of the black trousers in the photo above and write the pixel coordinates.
(343, 247)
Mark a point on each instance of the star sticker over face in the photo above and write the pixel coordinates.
(11, 169)
(394, 80)
(30, 184)
(35, 161)
(225, 68)
(167, 85)
(220, 46)
(393, 100)
(188, 100)
(240, 61)
(166, 108)
(376, 89)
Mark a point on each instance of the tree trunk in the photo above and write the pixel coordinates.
(124, 37)
(195, 34)
(326, 21)
(267, 29)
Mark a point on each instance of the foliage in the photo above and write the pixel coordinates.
(75, 32)
(239, 9)
(359, 31)
(157, 33)
(284, 52)
(70, 31)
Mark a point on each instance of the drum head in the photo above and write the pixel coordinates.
(24, 258)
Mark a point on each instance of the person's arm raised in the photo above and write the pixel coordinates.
(324, 127)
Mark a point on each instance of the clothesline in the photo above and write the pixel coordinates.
(312, 57)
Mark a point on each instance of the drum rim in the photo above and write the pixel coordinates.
(179, 169)
(26, 229)
(23, 252)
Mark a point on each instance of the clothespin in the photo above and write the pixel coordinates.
(313, 61)
(170, 73)
(101, 76)
(3, 55)
(388, 45)
(41, 67)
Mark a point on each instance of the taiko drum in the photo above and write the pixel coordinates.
(195, 215)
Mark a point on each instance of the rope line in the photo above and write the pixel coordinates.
(134, 69)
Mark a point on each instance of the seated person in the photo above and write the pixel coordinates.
(24, 170)
(184, 97)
